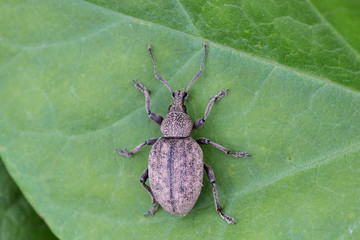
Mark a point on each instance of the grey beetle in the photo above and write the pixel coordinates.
(175, 168)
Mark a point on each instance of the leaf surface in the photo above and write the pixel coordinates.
(67, 101)
(17, 218)
(315, 37)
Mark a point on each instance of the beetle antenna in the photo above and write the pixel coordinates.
(155, 71)
(201, 69)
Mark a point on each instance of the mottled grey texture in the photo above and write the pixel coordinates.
(176, 173)
(176, 124)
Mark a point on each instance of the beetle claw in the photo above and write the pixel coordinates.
(138, 85)
(241, 154)
(221, 94)
(124, 152)
(152, 210)
(227, 218)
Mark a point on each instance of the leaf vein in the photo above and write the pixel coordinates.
(325, 21)
(318, 161)
(187, 16)
(261, 59)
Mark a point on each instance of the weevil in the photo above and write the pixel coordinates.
(175, 167)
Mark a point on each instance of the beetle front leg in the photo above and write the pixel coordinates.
(224, 149)
(198, 123)
(211, 176)
(123, 152)
(156, 118)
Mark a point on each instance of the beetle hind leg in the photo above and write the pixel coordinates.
(152, 210)
(143, 179)
(211, 176)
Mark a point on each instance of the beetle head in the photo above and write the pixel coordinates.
(177, 122)
(179, 98)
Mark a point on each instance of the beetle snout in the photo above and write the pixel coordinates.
(176, 108)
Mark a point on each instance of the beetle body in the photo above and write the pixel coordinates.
(176, 161)
(176, 166)
(176, 173)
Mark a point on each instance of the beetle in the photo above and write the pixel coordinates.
(175, 167)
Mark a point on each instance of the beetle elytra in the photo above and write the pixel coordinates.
(175, 168)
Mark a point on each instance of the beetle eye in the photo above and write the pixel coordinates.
(185, 95)
(169, 108)
(173, 94)
(184, 108)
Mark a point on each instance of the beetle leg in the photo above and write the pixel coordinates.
(224, 149)
(211, 176)
(143, 179)
(152, 210)
(198, 123)
(156, 118)
(123, 152)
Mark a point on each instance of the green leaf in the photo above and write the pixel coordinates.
(67, 101)
(315, 37)
(17, 218)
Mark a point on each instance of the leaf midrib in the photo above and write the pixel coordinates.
(240, 52)
(333, 29)
(261, 59)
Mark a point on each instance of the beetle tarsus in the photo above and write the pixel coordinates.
(152, 210)
(227, 218)
(221, 94)
(139, 86)
(124, 152)
(241, 154)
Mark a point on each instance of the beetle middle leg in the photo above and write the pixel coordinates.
(211, 176)
(198, 123)
(123, 152)
(224, 149)
(143, 179)
(156, 118)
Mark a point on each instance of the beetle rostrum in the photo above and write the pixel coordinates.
(175, 167)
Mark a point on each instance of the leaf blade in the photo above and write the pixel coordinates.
(72, 111)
